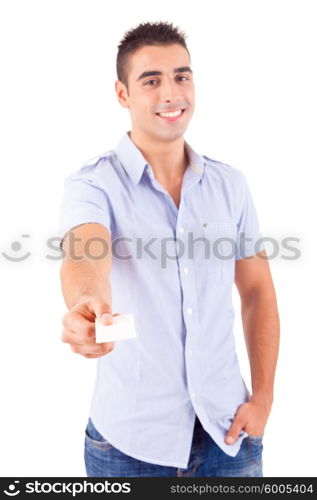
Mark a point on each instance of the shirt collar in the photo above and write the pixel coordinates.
(134, 162)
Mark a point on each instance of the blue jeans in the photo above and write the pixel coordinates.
(206, 458)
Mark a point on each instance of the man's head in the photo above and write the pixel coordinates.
(154, 76)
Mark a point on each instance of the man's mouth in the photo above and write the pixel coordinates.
(171, 116)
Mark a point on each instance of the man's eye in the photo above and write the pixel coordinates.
(149, 82)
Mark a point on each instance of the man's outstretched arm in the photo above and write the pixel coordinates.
(86, 287)
(261, 327)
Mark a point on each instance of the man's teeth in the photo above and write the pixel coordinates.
(174, 113)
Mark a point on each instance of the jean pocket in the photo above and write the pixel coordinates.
(254, 449)
(94, 438)
(255, 439)
(220, 240)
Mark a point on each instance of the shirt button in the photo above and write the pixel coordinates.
(181, 229)
(193, 395)
(189, 310)
(190, 352)
(186, 270)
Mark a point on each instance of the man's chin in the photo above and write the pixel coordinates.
(159, 135)
(169, 135)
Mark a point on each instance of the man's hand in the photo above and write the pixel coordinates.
(250, 417)
(79, 327)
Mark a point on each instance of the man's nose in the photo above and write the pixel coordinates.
(170, 91)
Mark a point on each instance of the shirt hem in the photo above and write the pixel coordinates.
(142, 457)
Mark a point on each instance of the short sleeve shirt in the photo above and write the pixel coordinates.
(173, 268)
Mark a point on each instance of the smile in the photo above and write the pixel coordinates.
(171, 116)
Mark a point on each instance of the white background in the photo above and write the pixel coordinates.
(254, 65)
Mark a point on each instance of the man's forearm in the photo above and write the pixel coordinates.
(84, 279)
(262, 332)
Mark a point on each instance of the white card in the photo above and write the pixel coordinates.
(123, 327)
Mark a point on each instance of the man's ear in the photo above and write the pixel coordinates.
(122, 93)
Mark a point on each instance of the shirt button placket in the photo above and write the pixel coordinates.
(188, 310)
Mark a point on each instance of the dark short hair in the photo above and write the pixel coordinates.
(158, 33)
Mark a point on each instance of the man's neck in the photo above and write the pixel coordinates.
(167, 159)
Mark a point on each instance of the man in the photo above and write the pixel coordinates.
(138, 224)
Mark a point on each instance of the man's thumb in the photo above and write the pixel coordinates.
(233, 433)
(103, 313)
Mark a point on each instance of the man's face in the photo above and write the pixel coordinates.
(150, 94)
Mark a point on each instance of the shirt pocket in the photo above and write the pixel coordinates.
(220, 243)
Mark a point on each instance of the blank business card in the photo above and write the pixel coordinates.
(123, 327)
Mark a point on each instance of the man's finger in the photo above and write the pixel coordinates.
(76, 338)
(93, 356)
(234, 431)
(99, 349)
(75, 322)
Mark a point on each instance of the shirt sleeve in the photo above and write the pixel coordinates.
(83, 201)
(249, 237)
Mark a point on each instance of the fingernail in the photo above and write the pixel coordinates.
(105, 316)
(230, 440)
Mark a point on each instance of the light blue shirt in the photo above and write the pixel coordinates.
(183, 361)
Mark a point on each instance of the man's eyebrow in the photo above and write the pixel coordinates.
(182, 69)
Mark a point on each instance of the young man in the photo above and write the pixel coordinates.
(163, 232)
